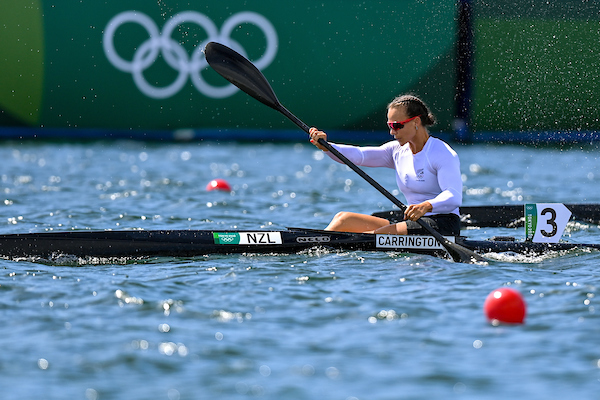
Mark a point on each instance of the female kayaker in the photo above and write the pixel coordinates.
(427, 173)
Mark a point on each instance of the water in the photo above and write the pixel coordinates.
(317, 325)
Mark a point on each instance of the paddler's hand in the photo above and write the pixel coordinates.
(416, 211)
(315, 135)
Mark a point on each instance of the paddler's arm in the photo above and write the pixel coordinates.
(370, 156)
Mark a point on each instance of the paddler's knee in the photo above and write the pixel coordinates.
(338, 221)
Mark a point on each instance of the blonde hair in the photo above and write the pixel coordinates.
(414, 106)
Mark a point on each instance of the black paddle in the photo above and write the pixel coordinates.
(242, 73)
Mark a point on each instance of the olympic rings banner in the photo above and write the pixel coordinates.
(139, 66)
(176, 56)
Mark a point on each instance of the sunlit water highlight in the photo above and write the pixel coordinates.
(315, 325)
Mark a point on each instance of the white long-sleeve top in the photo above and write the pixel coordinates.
(433, 174)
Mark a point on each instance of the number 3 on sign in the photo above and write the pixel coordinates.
(546, 222)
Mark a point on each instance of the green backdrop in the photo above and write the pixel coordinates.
(337, 63)
(536, 65)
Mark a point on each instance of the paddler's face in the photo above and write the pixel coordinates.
(408, 131)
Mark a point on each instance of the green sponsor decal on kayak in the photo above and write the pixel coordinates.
(226, 237)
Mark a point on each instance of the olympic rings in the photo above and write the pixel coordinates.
(176, 56)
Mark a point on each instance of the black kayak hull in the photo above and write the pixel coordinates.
(192, 243)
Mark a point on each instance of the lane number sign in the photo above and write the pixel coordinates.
(545, 222)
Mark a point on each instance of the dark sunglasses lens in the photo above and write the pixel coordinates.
(396, 125)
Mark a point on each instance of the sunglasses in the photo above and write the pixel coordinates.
(399, 125)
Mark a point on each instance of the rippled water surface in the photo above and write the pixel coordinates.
(316, 325)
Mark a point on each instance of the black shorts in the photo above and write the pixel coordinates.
(446, 224)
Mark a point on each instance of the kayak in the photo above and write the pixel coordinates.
(191, 243)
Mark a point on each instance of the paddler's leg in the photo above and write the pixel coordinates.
(353, 222)
(400, 228)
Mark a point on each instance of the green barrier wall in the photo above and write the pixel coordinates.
(135, 64)
(536, 65)
(21, 62)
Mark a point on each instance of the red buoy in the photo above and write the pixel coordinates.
(218, 184)
(505, 305)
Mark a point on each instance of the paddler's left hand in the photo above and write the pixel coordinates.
(416, 211)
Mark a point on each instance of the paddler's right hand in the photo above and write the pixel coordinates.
(315, 135)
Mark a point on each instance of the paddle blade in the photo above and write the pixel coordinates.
(463, 255)
(238, 70)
